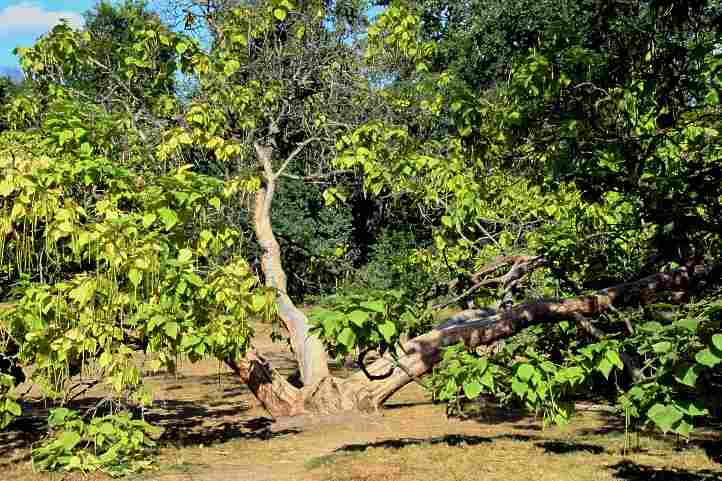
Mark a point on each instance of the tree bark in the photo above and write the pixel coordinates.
(308, 349)
(278, 396)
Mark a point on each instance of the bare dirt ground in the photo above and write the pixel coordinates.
(216, 431)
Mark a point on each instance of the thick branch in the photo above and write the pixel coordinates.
(477, 327)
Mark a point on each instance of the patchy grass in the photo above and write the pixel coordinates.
(215, 431)
(512, 454)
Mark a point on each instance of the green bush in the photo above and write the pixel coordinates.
(115, 444)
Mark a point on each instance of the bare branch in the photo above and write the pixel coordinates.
(522, 266)
(293, 155)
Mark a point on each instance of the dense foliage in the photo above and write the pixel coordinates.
(444, 154)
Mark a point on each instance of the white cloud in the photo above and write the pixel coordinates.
(30, 18)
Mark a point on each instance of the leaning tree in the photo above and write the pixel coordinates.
(557, 199)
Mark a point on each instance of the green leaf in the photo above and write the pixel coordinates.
(707, 358)
(107, 428)
(388, 330)
(525, 372)
(613, 357)
(481, 365)
(662, 347)
(605, 367)
(135, 276)
(181, 47)
(280, 14)
(184, 255)
(258, 302)
(687, 374)
(683, 428)
(712, 97)
(689, 324)
(487, 379)
(347, 337)
(693, 408)
(717, 342)
(148, 219)
(376, 306)
(69, 439)
(358, 317)
(171, 329)
(472, 389)
(664, 416)
(13, 408)
(169, 217)
(105, 358)
(231, 67)
(519, 388)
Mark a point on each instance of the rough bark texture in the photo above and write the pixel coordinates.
(277, 395)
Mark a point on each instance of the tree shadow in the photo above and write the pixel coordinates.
(611, 423)
(223, 432)
(528, 427)
(20, 435)
(517, 437)
(449, 440)
(566, 447)
(188, 423)
(491, 413)
(713, 449)
(630, 471)
(184, 423)
(390, 406)
(190, 413)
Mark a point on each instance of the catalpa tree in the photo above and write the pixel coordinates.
(574, 201)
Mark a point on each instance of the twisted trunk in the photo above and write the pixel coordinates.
(308, 349)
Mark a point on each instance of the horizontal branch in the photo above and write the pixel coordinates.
(476, 327)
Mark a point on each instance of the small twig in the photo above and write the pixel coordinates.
(318, 178)
(489, 236)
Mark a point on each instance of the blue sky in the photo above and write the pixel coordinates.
(23, 21)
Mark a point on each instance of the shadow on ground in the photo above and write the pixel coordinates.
(630, 471)
(566, 447)
(257, 428)
(713, 449)
(449, 440)
(188, 423)
(20, 435)
(185, 423)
